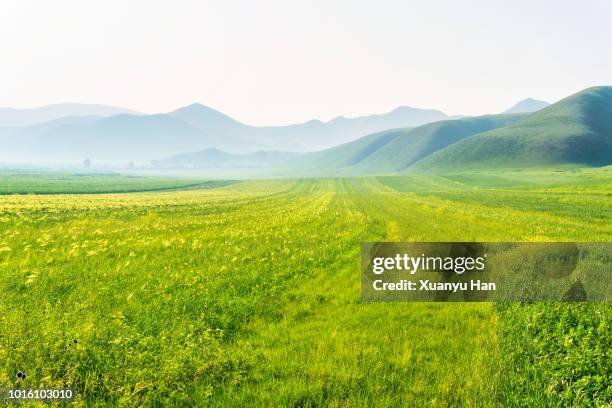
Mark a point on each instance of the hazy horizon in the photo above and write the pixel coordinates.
(134, 111)
(273, 63)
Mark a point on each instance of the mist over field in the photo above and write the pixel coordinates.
(571, 132)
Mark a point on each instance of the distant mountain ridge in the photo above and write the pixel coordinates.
(142, 138)
(33, 116)
(527, 105)
(310, 135)
(122, 137)
(576, 131)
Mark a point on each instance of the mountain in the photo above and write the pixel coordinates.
(142, 138)
(393, 150)
(527, 105)
(311, 135)
(209, 120)
(215, 158)
(576, 131)
(118, 138)
(31, 116)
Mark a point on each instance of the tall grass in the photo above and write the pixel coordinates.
(248, 294)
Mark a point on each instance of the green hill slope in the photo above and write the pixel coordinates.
(392, 150)
(407, 149)
(576, 131)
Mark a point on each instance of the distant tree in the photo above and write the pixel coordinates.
(87, 163)
(131, 165)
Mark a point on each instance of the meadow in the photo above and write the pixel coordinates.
(57, 182)
(248, 294)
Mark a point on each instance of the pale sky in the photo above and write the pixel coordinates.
(278, 62)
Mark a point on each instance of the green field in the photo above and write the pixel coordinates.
(40, 182)
(248, 294)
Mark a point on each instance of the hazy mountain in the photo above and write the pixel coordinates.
(527, 105)
(208, 119)
(117, 138)
(393, 150)
(311, 135)
(575, 131)
(215, 158)
(128, 137)
(31, 116)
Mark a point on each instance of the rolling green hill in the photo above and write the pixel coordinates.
(577, 131)
(393, 150)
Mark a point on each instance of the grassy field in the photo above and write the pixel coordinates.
(38, 182)
(248, 294)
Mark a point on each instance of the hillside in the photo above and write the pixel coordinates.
(391, 151)
(577, 131)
